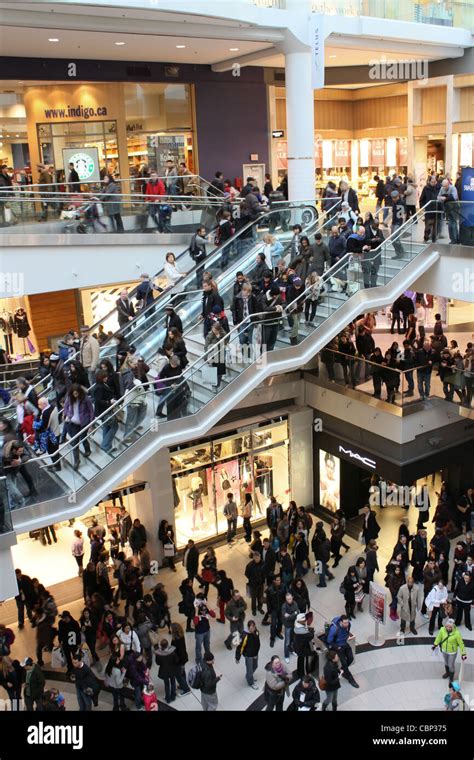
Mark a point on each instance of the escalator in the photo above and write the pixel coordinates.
(399, 261)
(146, 331)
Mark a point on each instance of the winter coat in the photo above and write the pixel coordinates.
(437, 597)
(255, 574)
(289, 613)
(306, 698)
(449, 642)
(331, 675)
(86, 410)
(167, 661)
(249, 645)
(236, 609)
(403, 605)
(209, 680)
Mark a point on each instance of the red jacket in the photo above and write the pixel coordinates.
(153, 191)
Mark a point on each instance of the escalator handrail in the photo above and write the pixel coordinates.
(222, 342)
(208, 261)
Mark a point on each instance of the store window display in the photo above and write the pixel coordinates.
(16, 329)
(254, 462)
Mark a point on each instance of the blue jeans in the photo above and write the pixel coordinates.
(300, 570)
(452, 229)
(410, 381)
(109, 430)
(245, 334)
(251, 665)
(323, 573)
(84, 701)
(288, 641)
(170, 688)
(137, 696)
(202, 639)
(424, 382)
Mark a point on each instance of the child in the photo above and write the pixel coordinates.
(150, 700)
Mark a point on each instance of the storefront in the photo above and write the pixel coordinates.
(345, 471)
(254, 460)
(125, 128)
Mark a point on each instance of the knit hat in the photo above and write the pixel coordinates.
(394, 194)
(301, 618)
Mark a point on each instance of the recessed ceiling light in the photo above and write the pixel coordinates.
(333, 56)
(53, 39)
(120, 43)
(17, 135)
(8, 135)
(180, 47)
(233, 50)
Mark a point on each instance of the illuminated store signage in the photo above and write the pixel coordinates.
(86, 162)
(355, 455)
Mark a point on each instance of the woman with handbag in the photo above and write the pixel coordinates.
(329, 681)
(178, 641)
(276, 684)
(186, 605)
(47, 431)
(209, 570)
(166, 536)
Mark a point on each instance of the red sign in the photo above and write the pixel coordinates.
(282, 155)
(318, 153)
(377, 152)
(402, 151)
(342, 153)
(377, 606)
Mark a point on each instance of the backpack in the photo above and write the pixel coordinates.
(196, 253)
(195, 677)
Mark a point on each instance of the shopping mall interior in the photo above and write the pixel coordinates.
(130, 134)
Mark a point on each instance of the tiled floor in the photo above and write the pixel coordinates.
(234, 694)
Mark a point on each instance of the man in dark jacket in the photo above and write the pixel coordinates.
(306, 695)
(289, 612)
(208, 685)
(275, 598)
(125, 308)
(249, 648)
(321, 548)
(424, 360)
(69, 636)
(429, 194)
(243, 306)
(248, 187)
(348, 195)
(268, 560)
(321, 256)
(25, 598)
(337, 244)
(73, 179)
(235, 614)
(274, 513)
(172, 319)
(210, 299)
(370, 526)
(337, 639)
(34, 685)
(191, 559)
(255, 574)
(137, 537)
(125, 525)
(419, 554)
(87, 685)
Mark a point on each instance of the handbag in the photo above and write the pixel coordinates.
(154, 637)
(169, 550)
(208, 576)
(209, 375)
(322, 683)
(58, 659)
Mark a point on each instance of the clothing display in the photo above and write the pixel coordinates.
(20, 323)
(7, 327)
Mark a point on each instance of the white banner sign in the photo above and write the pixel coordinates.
(317, 51)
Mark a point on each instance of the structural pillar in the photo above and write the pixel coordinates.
(8, 584)
(300, 126)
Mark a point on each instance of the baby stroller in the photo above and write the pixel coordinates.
(83, 218)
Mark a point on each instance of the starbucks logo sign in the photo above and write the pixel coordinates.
(83, 164)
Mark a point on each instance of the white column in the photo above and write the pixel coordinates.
(300, 126)
(8, 584)
(156, 503)
(300, 430)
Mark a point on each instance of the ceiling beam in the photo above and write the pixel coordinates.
(245, 60)
(391, 46)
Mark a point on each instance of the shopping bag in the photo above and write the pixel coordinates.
(437, 654)
(209, 375)
(168, 550)
(8, 214)
(58, 659)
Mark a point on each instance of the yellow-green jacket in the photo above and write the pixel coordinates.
(449, 642)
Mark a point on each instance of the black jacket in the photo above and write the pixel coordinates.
(255, 574)
(181, 653)
(192, 561)
(269, 562)
(275, 598)
(173, 320)
(306, 697)
(69, 634)
(420, 551)
(85, 679)
(249, 646)
(168, 662)
(274, 515)
(321, 547)
(209, 680)
(237, 307)
(331, 675)
(125, 309)
(209, 300)
(372, 529)
(186, 606)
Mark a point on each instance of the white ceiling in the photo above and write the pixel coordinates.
(149, 48)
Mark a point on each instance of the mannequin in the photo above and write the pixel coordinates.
(22, 328)
(7, 327)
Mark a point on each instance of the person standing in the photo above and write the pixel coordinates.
(125, 309)
(410, 600)
(112, 204)
(464, 596)
(289, 612)
(202, 628)
(191, 559)
(370, 526)
(225, 587)
(179, 642)
(78, 550)
(449, 641)
(322, 552)
(276, 684)
(25, 599)
(371, 562)
(87, 685)
(330, 682)
(231, 512)
(275, 601)
(69, 636)
(186, 605)
(137, 537)
(435, 602)
(249, 648)
(254, 572)
(274, 513)
(168, 665)
(34, 685)
(89, 352)
(208, 684)
(419, 555)
(125, 525)
(235, 614)
(247, 511)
